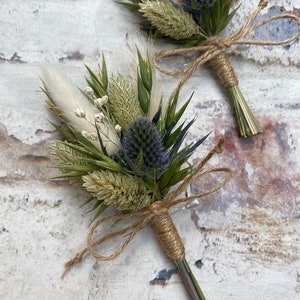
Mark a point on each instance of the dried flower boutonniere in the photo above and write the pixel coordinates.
(196, 24)
(124, 146)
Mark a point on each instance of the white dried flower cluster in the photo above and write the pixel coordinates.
(88, 90)
(92, 136)
(99, 102)
(99, 118)
(79, 112)
(118, 128)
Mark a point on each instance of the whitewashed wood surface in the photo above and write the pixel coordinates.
(246, 235)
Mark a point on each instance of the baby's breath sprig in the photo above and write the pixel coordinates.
(121, 143)
(196, 24)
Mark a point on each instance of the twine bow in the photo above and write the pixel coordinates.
(215, 46)
(147, 215)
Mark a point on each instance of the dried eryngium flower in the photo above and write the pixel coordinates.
(144, 150)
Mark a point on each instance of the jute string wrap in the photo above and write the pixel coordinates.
(155, 214)
(168, 236)
(213, 49)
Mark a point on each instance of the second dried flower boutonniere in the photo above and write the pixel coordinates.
(124, 145)
(196, 24)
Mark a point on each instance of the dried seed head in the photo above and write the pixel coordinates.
(169, 20)
(125, 192)
(123, 101)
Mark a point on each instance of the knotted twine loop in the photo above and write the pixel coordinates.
(215, 47)
(155, 214)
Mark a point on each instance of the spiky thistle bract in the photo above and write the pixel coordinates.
(143, 149)
(121, 158)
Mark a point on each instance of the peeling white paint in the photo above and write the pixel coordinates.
(246, 235)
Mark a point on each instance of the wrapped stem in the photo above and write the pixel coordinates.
(174, 248)
(247, 123)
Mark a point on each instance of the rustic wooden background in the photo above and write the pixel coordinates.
(241, 242)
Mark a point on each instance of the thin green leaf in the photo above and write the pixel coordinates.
(157, 116)
(167, 176)
(179, 114)
(103, 74)
(68, 175)
(143, 96)
(95, 84)
(101, 209)
(63, 132)
(193, 147)
(207, 25)
(179, 176)
(134, 5)
(171, 110)
(102, 160)
(230, 16)
(145, 71)
(77, 168)
(181, 137)
(89, 200)
(172, 138)
(81, 140)
(96, 205)
(85, 149)
(217, 11)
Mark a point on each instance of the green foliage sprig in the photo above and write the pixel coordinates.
(113, 146)
(183, 21)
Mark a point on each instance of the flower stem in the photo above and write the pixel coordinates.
(189, 280)
(247, 123)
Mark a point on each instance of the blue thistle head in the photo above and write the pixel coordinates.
(195, 7)
(212, 16)
(143, 149)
